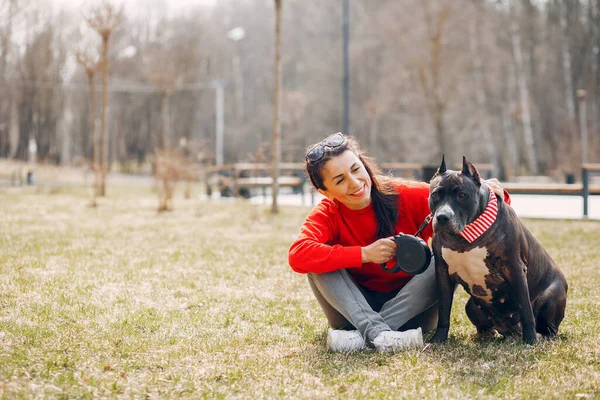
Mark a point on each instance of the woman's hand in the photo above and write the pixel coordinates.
(496, 186)
(380, 251)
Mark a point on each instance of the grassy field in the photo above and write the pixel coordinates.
(121, 302)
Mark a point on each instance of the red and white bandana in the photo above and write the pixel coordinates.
(484, 221)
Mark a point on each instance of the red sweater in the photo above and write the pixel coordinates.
(332, 236)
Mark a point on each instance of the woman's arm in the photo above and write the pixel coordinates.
(314, 250)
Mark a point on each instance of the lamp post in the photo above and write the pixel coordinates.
(345, 56)
(219, 85)
(236, 35)
(581, 95)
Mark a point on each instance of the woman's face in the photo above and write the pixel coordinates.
(346, 180)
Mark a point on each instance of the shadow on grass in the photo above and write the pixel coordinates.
(491, 363)
(496, 364)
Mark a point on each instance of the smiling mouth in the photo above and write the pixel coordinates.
(360, 192)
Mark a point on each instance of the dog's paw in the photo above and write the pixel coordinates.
(529, 339)
(438, 338)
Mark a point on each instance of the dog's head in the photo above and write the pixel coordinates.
(456, 198)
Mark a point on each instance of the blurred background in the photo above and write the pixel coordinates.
(512, 83)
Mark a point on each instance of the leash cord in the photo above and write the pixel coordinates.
(424, 224)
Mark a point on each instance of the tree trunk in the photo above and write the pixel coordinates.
(239, 85)
(25, 124)
(373, 133)
(484, 120)
(523, 94)
(507, 124)
(594, 22)
(7, 36)
(164, 117)
(277, 108)
(104, 149)
(95, 138)
(440, 130)
(566, 59)
(430, 76)
(13, 134)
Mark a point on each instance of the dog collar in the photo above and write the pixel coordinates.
(484, 221)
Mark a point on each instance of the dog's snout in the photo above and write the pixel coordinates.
(442, 218)
(444, 215)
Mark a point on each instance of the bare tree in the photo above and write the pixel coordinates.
(595, 28)
(523, 91)
(402, 108)
(482, 101)
(566, 58)
(9, 9)
(8, 105)
(431, 73)
(507, 122)
(277, 106)
(104, 19)
(40, 105)
(167, 166)
(163, 75)
(90, 67)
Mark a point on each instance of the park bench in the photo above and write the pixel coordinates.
(583, 189)
(568, 189)
(240, 179)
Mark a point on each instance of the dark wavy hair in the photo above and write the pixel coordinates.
(383, 194)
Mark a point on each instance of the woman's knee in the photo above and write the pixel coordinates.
(335, 319)
(327, 278)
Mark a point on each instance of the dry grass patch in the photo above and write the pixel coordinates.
(119, 301)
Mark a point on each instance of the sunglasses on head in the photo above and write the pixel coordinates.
(318, 151)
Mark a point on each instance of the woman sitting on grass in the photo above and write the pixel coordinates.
(346, 238)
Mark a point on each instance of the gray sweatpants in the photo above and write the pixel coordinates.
(348, 305)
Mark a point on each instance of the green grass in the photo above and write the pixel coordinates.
(121, 302)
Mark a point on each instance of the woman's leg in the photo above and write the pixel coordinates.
(427, 320)
(334, 318)
(344, 303)
(418, 299)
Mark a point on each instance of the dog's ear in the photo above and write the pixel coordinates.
(469, 170)
(440, 170)
(442, 167)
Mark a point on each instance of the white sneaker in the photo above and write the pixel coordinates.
(344, 341)
(393, 340)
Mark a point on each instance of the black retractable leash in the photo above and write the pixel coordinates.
(412, 253)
